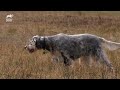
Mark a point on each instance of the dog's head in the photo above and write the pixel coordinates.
(36, 42)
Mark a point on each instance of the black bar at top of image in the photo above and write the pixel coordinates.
(59, 5)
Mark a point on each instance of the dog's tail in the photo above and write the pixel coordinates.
(109, 44)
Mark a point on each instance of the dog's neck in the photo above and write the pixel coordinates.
(45, 44)
(48, 44)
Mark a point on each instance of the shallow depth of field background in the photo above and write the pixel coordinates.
(17, 63)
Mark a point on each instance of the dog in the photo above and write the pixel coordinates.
(71, 47)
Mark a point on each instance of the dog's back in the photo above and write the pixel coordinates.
(76, 45)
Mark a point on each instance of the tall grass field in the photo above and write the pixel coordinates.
(17, 63)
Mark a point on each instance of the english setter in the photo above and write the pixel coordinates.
(72, 47)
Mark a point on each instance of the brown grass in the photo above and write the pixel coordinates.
(16, 63)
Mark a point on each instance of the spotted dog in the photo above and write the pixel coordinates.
(72, 47)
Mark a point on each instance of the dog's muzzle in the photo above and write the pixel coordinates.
(30, 50)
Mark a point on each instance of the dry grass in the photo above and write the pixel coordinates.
(19, 64)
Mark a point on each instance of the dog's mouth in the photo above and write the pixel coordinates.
(31, 50)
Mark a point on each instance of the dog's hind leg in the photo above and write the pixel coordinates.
(101, 55)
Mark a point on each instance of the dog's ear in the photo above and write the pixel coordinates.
(35, 38)
(39, 42)
(42, 38)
